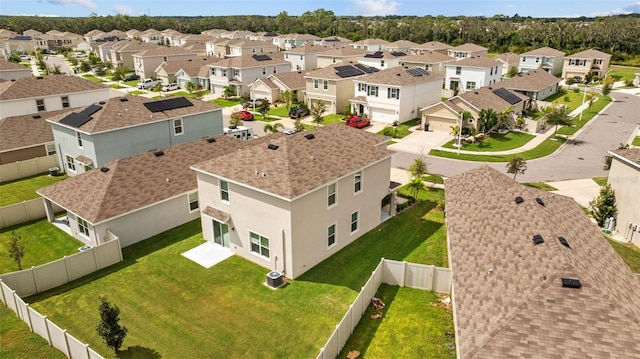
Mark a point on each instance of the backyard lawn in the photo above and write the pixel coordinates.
(25, 189)
(495, 142)
(18, 342)
(179, 309)
(575, 98)
(623, 73)
(636, 141)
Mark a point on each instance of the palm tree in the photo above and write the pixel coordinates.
(317, 109)
(228, 91)
(557, 116)
(276, 127)
(416, 185)
(488, 119)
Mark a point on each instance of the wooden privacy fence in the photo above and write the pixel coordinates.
(24, 211)
(27, 168)
(391, 272)
(51, 275)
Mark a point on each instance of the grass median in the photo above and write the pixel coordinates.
(545, 148)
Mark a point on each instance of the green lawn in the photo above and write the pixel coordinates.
(587, 115)
(623, 73)
(540, 185)
(575, 99)
(629, 253)
(400, 131)
(43, 243)
(601, 181)
(132, 83)
(546, 148)
(25, 189)
(92, 78)
(18, 342)
(433, 179)
(636, 141)
(137, 92)
(495, 142)
(333, 118)
(189, 95)
(179, 309)
(227, 103)
(116, 86)
(280, 111)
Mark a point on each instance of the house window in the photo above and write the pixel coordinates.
(357, 182)
(83, 227)
(164, 58)
(253, 50)
(275, 68)
(71, 164)
(458, 70)
(381, 63)
(259, 244)
(333, 59)
(362, 87)
(40, 105)
(224, 72)
(524, 59)
(331, 235)
(224, 191)
(537, 59)
(471, 85)
(193, 201)
(373, 91)
(177, 127)
(315, 83)
(79, 139)
(236, 73)
(491, 71)
(51, 149)
(354, 221)
(301, 57)
(393, 93)
(325, 85)
(213, 71)
(286, 56)
(65, 101)
(264, 70)
(331, 195)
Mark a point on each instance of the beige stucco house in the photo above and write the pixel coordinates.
(272, 86)
(467, 50)
(624, 177)
(430, 47)
(121, 53)
(11, 71)
(338, 55)
(241, 71)
(304, 57)
(147, 61)
(291, 201)
(536, 84)
(584, 62)
(370, 45)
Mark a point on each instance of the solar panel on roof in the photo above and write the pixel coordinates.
(168, 104)
(506, 95)
(91, 110)
(348, 71)
(375, 55)
(417, 72)
(261, 57)
(366, 69)
(75, 119)
(398, 53)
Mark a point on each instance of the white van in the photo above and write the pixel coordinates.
(239, 132)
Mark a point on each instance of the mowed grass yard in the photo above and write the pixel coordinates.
(18, 342)
(24, 189)
(174, 308)
(623, 73)
(495, 142)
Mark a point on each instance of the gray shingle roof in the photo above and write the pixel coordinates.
(589, 54)
(30, 87)
(24, 131)
(399, 76)
(544, 51)
(529, 81)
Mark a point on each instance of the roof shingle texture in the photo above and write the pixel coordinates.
(29, 87)
(544, 51)
(529, 81)
(24, 131)
(474, 62)
(398, 76)
(468, 47)
(589, 54)
(485, 98)
(508, 297)
(428, 58)
(293, 80)
(248, 61)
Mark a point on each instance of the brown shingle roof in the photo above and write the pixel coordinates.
(307, 49)
(474, 62)
(469, 47)
(116, 113)
(529, 81)
(544, 51)
(133, 46)
(191, 67)
(137, 181)
(163, 51)
(432, 45)
(485, 98)
(508, 57)
(293, 80)
(428, 58)
(343, 52)
(25, 131)
(402, 43)
(330, 72)
(508, 298)
(8, 65)
(631, 156)
(29, 87)
(299, 165)
(589, 54)
(248, 61)
(372, 42)
(399, 76)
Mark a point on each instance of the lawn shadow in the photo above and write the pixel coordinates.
(138, 352)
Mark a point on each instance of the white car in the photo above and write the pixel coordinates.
(81, 55)
(170, 87)
(25, 57)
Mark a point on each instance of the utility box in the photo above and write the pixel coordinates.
(54, 172)
(275, 279)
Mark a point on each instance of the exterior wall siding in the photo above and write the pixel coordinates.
(625, 181)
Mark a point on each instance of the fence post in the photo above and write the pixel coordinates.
(66, 342)
(35, 279)
(404, 273)
(321, 356)
(338, 338)
(29, 317)
(66, 267)
(4, 298)
(46, 326)
(15, 302)
(432, 278)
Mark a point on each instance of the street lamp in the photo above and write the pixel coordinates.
(584, 96)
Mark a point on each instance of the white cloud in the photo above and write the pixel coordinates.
(633, 8)
(124, 10)
(84, 3)
(375, 7)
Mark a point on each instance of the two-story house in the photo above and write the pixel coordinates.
(396, 94)
(23, 44)
(126, 126)
(400, 46)
(152, 36)
(304, 57)
(182, 72)
(509, 61)
(371, 45)
(240, 71)
(224, 48)
(468, 74)
(122, 52)
(547, 58)
(289, 41)
(147, 61)
(11, 71)
(31, 95)
(431, 61)
(272, 86)
(584, 62)
(333, 41)
(292, 201)
(339, 55)
(430, 47)
(467, 50)
(382, 59)
(334, 85)
(624, 177)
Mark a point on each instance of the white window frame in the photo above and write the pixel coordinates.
(394, 93)
(316, 83)
(357, 182)
(213, 71)
(236, 73)
(332, 235)
(40, 105)
(79, 138)
(264, 70)
(458, 70)
(325, 85)
(372, 91)
(470, 85)
(83, 227)
(224, 190)
(65, 101)
(50, 148)
(192, 199)
(332, 194)
(354, 222)
(260, 246)
(224, 73)
(70, 163)
(178, 126)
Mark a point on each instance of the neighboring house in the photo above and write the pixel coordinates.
(103, 50)
(370, 45)
(133, 34)
(27, 136)
(334, 85)
(400, 46)
(136, 197)
(289, 41)
(56, 39)
(263, 36)
(532, 276)
(339, 55)
(24, 44)
(468, 74)
(537, 84)
(32, 33)
(126, 126)
(272, 86)
(431, 61)
(11, 71)
(170, 37)
(304, 57)
(184, 71)
(291, 204)
(509, 61)
(7, 34)
(431, 47)
(183, 40)
(396, 94)
(122, 52)
(30, 95)
(333, 41)
(467, 50)
(238, 34)
(224, 48)
(445, 115)
(382, 59)
(243, 70)
(547, 58)
(152, 36)
(624, 177)
(147, 61)
(584, 62)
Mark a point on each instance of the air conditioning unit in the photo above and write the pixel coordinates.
(275, 279)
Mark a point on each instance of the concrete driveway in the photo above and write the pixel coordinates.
(419, 143)
(581, 190)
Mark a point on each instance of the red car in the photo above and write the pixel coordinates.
(246, 115)
(358, 122)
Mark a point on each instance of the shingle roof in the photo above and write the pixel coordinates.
(133, 46)
(163, 51)
(544, 51)
(399, 76)
(299, 165)
(480, 61)
(631, 156)
(8, 65)
(508, 57)
(372, 42)
(29, 87)
(469, 47)
(507, 292)
(191, 67)
(248, 61)
(485, 98)
(343, 52)
(267, 82)
(293, 80)
(25, 131)
(589, 54)
(428, 58)
(330, 72)
(307, 49)
(529, 81)
(432, 45)
(402, 43)
(116, 113)
(137, 181)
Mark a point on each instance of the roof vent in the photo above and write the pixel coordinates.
(104, 169)
(102, 102)
(36, 116)
(309, 136)
(271, 146)
(211, 140)
(564, 242)
(519, 200)
(124, 99)
(571, 283)
(39, 77)
(540, 201)
(158, 153)
(537, 239)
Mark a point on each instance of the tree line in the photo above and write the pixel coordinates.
(617, 35)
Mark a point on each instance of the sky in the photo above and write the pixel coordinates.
(539, 8)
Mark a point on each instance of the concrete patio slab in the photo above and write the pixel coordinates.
(581, 190)
(208, 254)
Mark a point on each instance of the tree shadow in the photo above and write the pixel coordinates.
(138, 352)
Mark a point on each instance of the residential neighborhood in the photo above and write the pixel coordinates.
(222, 185)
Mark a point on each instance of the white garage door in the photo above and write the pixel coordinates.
(263, 94)
(381, 115)
(440, 124)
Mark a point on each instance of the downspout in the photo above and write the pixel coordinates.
(284, 258)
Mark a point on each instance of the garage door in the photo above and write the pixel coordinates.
(440, 124)
(381, 115)
(263, 94)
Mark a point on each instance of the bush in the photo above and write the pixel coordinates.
(576, 90)
(567, 99)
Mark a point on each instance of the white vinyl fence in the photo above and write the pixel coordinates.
(391, 272)
(24, 212)
(27, 168)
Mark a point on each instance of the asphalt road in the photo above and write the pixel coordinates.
(581, 159)
(53, 60)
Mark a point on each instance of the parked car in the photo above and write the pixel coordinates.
(98, 68)
(81, 55)
(25, 57)
(298, 112)
(252, 102)
(132, 77)
(147, 84)
(170, 87)
(358, 122)
(246, 115)
(49, 52)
